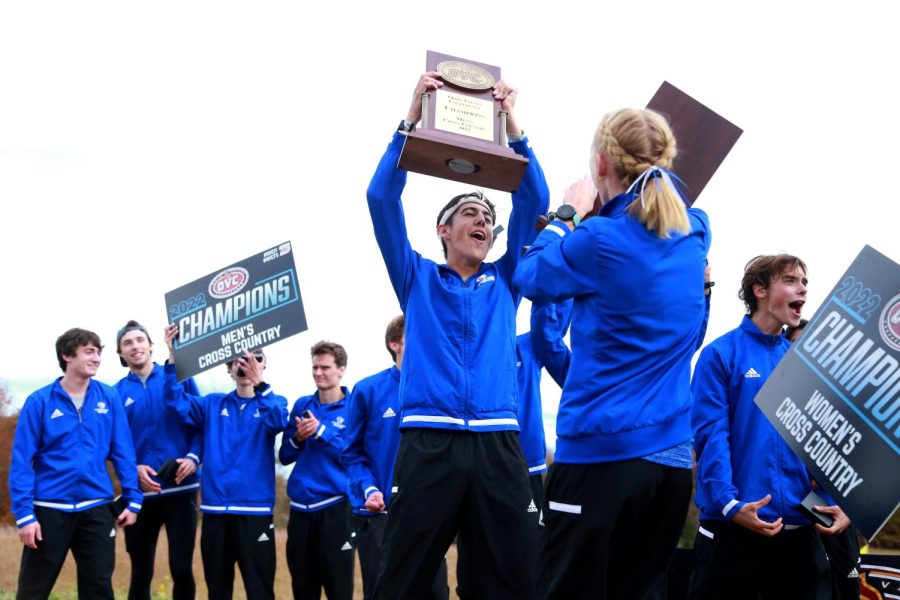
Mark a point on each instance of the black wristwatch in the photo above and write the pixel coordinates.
(260, 387)
(406, 126)
(566, 212)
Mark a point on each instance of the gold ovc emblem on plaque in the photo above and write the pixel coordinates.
(465, 75)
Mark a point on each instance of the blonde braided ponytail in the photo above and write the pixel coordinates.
(637, 140)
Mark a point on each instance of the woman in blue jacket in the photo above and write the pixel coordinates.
(620, 485)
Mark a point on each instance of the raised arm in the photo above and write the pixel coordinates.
(561, 262)
(708, 284)
(385, 207)
(195, 445)
(176, 395)
(532, 198)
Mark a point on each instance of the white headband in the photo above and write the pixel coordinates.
(469, 198)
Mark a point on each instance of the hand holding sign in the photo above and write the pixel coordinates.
(835, 397)
(171, 333)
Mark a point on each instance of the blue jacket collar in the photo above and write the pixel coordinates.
(157, 370)
(445, 271)
(343, 389)
(58, 390)
(748, 326)
(617, 206)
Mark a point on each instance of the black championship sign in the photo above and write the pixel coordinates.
(835, 397)
(250, 304)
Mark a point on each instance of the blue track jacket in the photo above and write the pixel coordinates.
(319, 479)
(159, 432)
(740, 456)
(638, 313)
(238, 475)
(59, 456)
(372, 437)
(459, 371)
(543, 347)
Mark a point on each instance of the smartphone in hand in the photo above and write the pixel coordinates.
(813, 499)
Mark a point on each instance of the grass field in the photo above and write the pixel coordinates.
(11, 553)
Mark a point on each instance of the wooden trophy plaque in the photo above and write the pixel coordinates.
(462, 135)
(704, 138)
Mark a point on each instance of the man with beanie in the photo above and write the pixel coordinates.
(160, 439)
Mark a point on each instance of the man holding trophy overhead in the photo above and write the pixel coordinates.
(459, 466)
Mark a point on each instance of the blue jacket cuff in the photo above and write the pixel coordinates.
(26, 521)
(732, 508)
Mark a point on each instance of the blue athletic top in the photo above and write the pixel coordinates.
(459, 370)
(59, 453)
(318, 478)
(159, 432)
(639, 307)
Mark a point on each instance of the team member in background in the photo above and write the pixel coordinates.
(238, 475)
(542, 347)
(58, 481)
(619, 487)
(159, 434)
(459, 465)
(842, 548)
(372, 438)
(749, 482)
(320, 540)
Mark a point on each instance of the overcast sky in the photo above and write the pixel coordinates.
(143, 145)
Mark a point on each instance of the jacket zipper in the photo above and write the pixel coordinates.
(81, 443)
(773, 364)
(466, 348)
